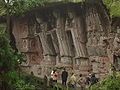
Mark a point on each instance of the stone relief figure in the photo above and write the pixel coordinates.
(110, 47)
(116, 44)
(71, 19)
(102, 45)
(89, 36)
(110, 53)
(92, 44)
(67, 24)
(95, 43)
(102, 40)
(33, 44)
(118, 29)
(116, 41)
(25, 44)
(31, 28)
(23, 29)
(90, 48)
(94, 40)
(39, 70)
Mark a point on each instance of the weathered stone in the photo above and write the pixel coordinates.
(64, 47)
(79, 37)
(63, 37)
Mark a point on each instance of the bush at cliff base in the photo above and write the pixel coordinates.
(110, 83)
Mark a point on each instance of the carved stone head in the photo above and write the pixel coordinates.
(71, 15)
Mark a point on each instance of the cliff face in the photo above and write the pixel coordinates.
(75, 36)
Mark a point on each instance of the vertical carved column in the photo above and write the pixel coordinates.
(80, 39)
(48, 49)
(64, 48)
(56, 46)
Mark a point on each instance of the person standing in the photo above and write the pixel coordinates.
(93, 79)
(64, 77)
(54, 76)
(72, 82)
(87, 80)
(45, 82)
(81, 82)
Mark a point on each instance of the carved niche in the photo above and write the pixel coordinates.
(34, 58)
(22, 28)
(24, 45)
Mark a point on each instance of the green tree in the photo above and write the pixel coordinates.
(8, 61)
(110, 83)
(113, 7)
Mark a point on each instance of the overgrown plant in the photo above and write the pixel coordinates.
(112, 82)
(9, 66)
(20, 6)
(113, 6)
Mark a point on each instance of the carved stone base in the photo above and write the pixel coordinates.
(82, 66)
(50, 60)
(48, 64)
(66, 61)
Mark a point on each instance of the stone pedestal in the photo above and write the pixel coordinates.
(83, 66)
(48, 64)
(50, 60)
(66, 61)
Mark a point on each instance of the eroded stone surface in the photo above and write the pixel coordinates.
(74, 39)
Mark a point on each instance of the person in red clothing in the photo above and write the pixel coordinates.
(54, 75)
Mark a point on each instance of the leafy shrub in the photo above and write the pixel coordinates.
(110, 83)
(9, 67)
(21, 85)
(37, 82)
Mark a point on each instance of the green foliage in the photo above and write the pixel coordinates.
(21, 6)
(110, 83)
(21, 85)
(34, 81)
(9, 66)
(9, 58)
(113, 6)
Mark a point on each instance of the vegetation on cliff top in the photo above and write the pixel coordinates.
(20, 6)
(113, 7)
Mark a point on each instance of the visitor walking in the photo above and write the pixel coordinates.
(45, 82)
(64, 76)
(93, 79)
(81, 82)
(54, 76)
(87, 81)
(53, 79)
(72, 82)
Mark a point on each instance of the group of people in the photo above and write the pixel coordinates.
(73, 82)
(82, 82)
(55, 76)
